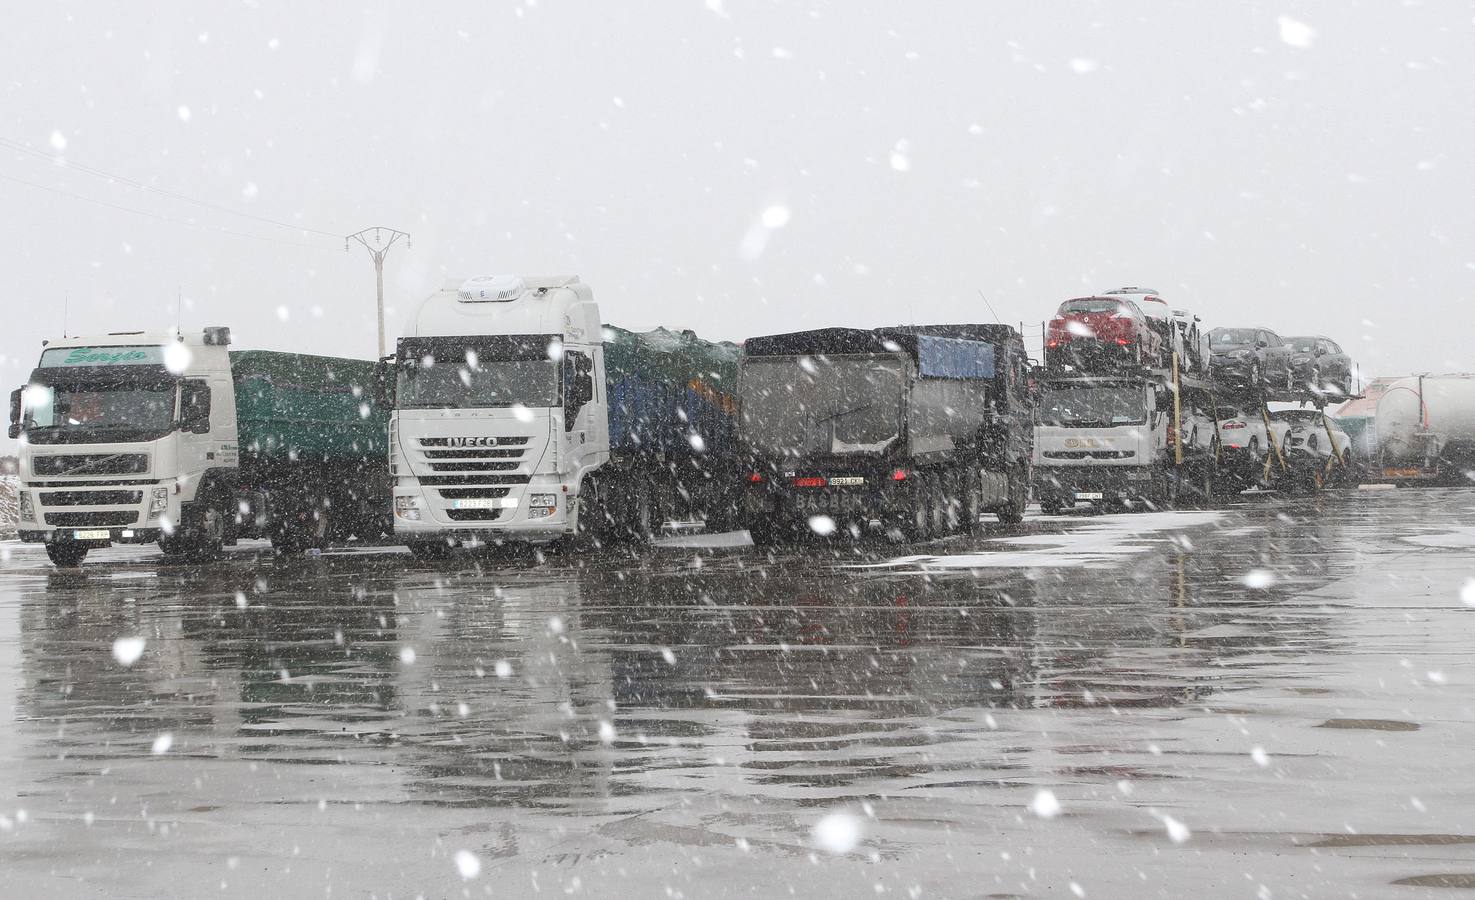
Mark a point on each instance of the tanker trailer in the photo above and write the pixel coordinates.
(1426, 429)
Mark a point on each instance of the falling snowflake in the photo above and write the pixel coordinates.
(127, 650)
(1296, 33)
(1045, 805)
(162, 743)
(468, 864)
(837, 833)
(1258, 579)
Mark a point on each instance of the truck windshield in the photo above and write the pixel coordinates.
(476, 382)
(797, 406)
(1093, 407)
(86, 412)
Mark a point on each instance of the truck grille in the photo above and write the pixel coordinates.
(486, 469)
(91, 498)
(117, 517)
(91, 464)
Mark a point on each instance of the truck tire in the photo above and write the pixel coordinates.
(306, 527)
(937, 504)
(589, 520)
(1051, 506)
(201, 537)
(1012, 513)
(916, 525)
(66, 556)
(972, 507)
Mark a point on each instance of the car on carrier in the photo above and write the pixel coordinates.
(1245, 442)
(1318, 450)
(1252, 357)
(1160, 318)
(1088, 332)
(1321, 363)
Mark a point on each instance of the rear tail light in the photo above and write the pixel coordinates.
(1122, 342)
(1228, 426)
(755, 478)
(811, 482)
(898, 474)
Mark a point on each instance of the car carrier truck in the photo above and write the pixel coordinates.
(1122, 439)
(921, 429)
(137, 437)
(522, 417)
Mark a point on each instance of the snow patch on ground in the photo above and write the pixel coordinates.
(1101, 542)
(1459, 538)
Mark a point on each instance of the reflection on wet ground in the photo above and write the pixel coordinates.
(1272, 701)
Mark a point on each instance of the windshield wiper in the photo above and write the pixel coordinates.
(832, 416)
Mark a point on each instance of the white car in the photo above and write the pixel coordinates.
(1314, 440)
(1195, 342)
(1244, 443)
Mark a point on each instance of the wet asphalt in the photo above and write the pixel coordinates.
(1272, 700)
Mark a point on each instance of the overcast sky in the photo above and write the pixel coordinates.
(742, 168)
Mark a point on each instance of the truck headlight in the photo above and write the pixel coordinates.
(541, 505)
(158, 502)
(407, 508)
(27, 510)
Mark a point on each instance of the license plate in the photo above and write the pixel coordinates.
(96, 534)
(847, 481)
(1090, 495)
(484, 503)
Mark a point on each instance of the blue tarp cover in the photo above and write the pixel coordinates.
(953, 358)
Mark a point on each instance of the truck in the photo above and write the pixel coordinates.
(1426, 429)
(520, 417)
(1119, 440)
(136, 438)
(920, 429)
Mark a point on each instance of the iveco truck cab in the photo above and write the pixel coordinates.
(478, 443)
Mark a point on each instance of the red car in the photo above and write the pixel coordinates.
(1090, 330)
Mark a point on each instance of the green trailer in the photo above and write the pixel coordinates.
(313, 433)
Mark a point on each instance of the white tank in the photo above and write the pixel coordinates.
(1447, 410)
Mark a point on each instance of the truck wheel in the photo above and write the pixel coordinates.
(304, 528)
(201, 537)
(937, 500)
(1051, 506)
(590, 525)
(1012, 513)
(66, 556)
(972, 500)
(917, 525)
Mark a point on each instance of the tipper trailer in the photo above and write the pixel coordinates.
(920, 428)
(137, 438)
(521, 416)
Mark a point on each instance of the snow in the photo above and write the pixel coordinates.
(468, 864)
(127, 650)
(1295, 32)
(1101, 542)
(1045, 805)
(838, 833)
(162, 743)
(1258, 579)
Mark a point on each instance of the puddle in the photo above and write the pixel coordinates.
(1371, 724)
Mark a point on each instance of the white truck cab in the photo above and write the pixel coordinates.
(118, 436)
(500, 412)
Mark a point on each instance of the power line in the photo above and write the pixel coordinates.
(173, 195)
(158, 216)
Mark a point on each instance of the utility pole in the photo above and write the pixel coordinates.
(377, 241)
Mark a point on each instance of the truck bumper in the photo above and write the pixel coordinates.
(423, 515)
(96, 515)
(841, 504)
(1067, 484)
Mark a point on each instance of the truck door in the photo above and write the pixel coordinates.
(579, 407)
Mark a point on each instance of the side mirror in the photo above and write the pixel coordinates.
(14, 431)
(194, 407)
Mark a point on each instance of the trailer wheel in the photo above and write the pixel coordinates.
(306, 527)
(66, 556)
(1051, 506)
(1012, 513)
(972, 500)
